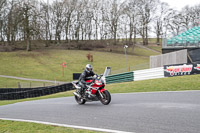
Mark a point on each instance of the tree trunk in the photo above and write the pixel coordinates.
(96, 29)
(135, 33)
(28, 35)
(46, 43)
(131, 34)
(158, 40)
(67, 28)
(143, 35)
(146, 38)
(28, 44)
(115, 34)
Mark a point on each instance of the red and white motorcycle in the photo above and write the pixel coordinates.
(94, 91)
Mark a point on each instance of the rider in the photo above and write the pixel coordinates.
(88, 72)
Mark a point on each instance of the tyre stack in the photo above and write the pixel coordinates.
(21, 93)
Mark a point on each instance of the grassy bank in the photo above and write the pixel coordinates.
(156, 47)
(15, 83)
(46, 64)
(26, 127)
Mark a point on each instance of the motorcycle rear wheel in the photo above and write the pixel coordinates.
(106, 97)
(80, 100)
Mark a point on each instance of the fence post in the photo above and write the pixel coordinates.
(19, 86)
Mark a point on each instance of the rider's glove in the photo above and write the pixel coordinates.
(88, 83)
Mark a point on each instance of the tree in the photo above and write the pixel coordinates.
(96, 7)
(147, 9)
(29, 21)
(3, 4)
(59, 19)
(195, 15)
(174, 23)
(131, 12)
(186, 16)
(69, 8)
(113, 18)
(161, 16)
(45, 22)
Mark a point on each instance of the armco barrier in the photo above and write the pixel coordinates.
(136, 75)
(117, 78)
(12, 94)
(149, 74)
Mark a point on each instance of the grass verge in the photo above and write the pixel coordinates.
(26, 127)
(180, 83)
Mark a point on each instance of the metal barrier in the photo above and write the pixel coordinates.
(117, 78)
(149, 74)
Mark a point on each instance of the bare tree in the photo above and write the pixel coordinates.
(113, 18)
(96, 7)
(69, 8)
(58, 21)
(45, 22)
(186, 16)
(85, 19)
(3, 4)
(161, 16)
(146, 10)
(174, 23)
(195, 15)
(131, 12)
(26, 20)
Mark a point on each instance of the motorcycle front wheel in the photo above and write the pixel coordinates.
(106, 97)
(80, 100)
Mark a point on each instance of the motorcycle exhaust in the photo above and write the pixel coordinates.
(76, 94)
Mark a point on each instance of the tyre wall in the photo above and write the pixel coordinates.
(21, 93)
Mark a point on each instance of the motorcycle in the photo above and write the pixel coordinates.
(94, 91)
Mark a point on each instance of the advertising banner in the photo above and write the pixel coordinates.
(76, 76)
(181, 69)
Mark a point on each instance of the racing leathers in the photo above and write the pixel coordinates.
(83, 78)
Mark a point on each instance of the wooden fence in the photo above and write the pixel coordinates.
(178, 57)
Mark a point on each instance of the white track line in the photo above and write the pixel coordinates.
(65, 125)
(155, 92)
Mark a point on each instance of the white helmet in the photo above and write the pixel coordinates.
(88, 68)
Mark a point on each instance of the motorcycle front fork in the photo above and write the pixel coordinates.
(100, 94)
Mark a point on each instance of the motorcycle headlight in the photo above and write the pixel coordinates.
(98, 83)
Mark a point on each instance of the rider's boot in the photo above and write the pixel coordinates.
(79, 90)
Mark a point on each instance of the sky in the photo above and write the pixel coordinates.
(179, 4)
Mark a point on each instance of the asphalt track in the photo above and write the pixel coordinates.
(159, 112)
